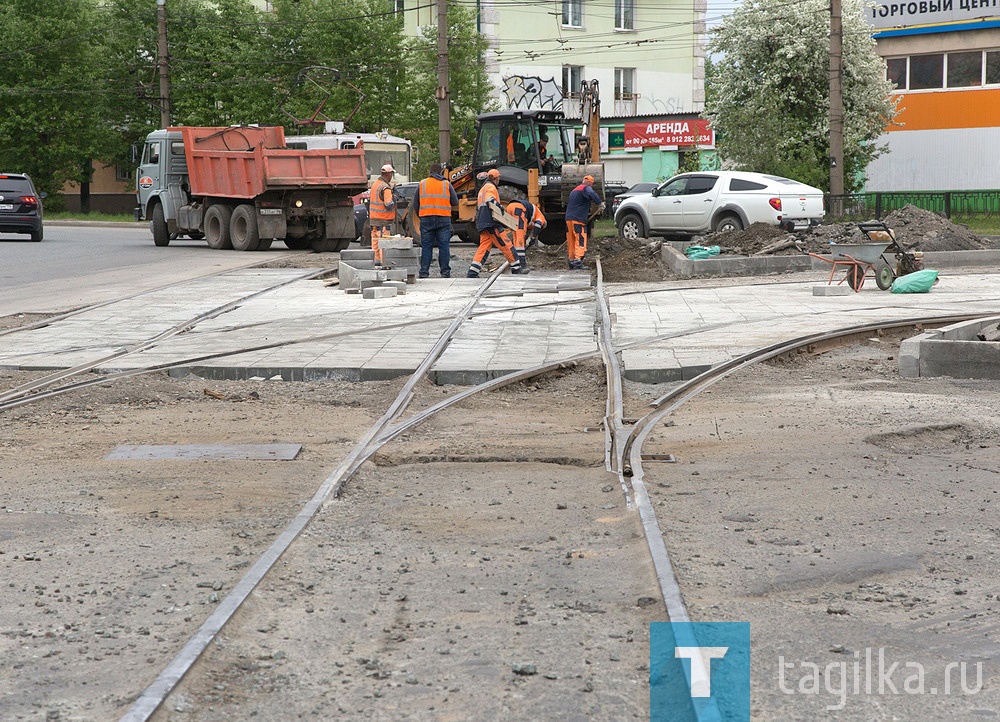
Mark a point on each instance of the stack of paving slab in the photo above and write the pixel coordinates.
(358, 273)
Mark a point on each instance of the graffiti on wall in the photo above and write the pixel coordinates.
(666, 105)
(528, 91)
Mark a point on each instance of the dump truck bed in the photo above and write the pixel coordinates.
(244, 162)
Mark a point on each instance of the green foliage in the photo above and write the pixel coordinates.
(469, 85)
(767, 91)
(79, 81)
(49, 62)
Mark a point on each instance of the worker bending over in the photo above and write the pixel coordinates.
(530, 223)
(578, 206)
(490, 230)
(381, 209)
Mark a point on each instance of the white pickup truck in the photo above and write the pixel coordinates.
(694, 203)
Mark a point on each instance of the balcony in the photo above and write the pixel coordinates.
(625, 105)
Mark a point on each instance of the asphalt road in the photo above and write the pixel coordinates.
(80, 264)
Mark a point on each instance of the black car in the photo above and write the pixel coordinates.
(611, 189)
(635, 190)
(20, 206)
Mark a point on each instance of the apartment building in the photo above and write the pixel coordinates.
(647, 56)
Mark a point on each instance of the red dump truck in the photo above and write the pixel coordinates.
(241, 187)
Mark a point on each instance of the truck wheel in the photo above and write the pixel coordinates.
(297, 244)
(330, 245)
(631, 227)
(217, 219)
(158, 225)
(243, 228)
(727, 223)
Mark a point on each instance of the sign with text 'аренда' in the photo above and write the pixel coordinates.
(669, 132)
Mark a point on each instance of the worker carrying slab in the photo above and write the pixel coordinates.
(491, 231)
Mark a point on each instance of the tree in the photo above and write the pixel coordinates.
(468, 84)
(768, 92)
(50, 117)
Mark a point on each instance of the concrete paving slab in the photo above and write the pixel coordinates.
(341, 336)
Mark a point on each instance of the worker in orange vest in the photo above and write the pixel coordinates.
(530, 223)
(432, 203)
(381, 209)
(490, 230)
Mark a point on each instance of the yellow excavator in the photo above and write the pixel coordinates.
(541, 158)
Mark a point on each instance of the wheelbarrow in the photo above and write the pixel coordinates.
(860, 260)
(867, 259)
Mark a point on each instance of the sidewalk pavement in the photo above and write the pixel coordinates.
(522, 322)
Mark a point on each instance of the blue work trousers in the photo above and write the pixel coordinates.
(435, 231)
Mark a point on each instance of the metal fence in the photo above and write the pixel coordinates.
(955, 205)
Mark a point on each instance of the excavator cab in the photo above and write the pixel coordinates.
(520, 141)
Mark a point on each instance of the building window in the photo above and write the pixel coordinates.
(399, 4)
(624, 14)
(624, 83)
(926, 71)
(572, 79)
(122, 173)
(965, 70)
(572, 13)
(992, 67)
(895, 71)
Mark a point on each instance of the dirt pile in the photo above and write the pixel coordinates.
(621, 259)
(914, 227)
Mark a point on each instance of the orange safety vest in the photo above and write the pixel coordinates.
(378, 208)
(435, 197)
(486, 192)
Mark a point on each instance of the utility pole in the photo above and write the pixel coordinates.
(836, 107)
(444, 108)
(161, 62)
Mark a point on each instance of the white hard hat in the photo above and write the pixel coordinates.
(387, 168)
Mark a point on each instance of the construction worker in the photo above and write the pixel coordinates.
(432, 202)
(530, 222)
(490, 230)
(381, 209)
(578, 218)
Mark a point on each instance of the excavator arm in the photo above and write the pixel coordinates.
(590, 114)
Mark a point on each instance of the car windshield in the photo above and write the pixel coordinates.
(642, 188)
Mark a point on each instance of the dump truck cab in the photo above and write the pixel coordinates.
(162, 167)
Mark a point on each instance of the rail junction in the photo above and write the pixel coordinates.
(243, 327)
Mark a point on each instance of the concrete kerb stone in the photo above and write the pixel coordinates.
(358, 254)
(672, 254)
(952, 351)
(395, 243)
(380, 291)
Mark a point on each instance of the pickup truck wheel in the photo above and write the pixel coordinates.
(243, 228)
(726, 223)
(158, 225)
(631, 227)
(217, 220)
